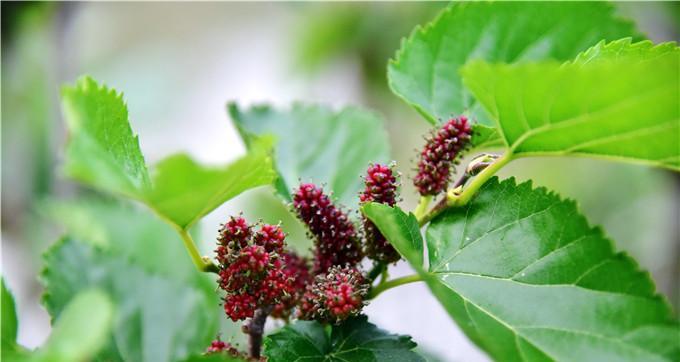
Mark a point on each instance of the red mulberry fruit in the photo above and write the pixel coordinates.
(271, 237)
(235, 234)
(240, 306)
(439, 154)
(381, 187)
(334, 296)
(335, 237)
(296, 269)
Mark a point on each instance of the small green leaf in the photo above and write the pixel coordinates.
(81, 330)
(402, 230)
(102, 151)
(617, 100)
(10, 323)
(158, 318)
(354, 340)
(526, 278)
(485, 137)
(425, 70)
(185, 191)
(316, 144)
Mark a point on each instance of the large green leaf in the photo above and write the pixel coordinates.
(9, 317)
(354, 340)
(425, 70)
(185, 191)
(102, 150)
(526, 278)
(616, 100)
(158, 319)
(103, 153)
(124, 229)
(81, 330)
(317, 144)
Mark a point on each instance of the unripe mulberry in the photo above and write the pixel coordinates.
(235, 233)
(439, 154)
(296, 269)
(216, 346)
(240, 306)
(334, 296)
(381, 187)
(271, 237)
(251, 270)
(335, 237)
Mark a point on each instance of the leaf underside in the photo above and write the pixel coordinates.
(158, 318)
(527, 279)
(316, 144)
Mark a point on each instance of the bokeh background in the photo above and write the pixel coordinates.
(179, 63)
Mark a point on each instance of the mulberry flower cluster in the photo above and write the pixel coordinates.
(439, 154)
(381, 187)
(252, 268)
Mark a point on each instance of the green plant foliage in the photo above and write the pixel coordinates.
(613, 99)
(185, 191)
(81, 330)
(158, 318)
(123, 229)
(315, 143)
(425, 71)
(103, 153)
(526, 278)
(102, 150)
(354, 340)
(9, 318)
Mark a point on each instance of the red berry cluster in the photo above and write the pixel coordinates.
(295, 269)
(218, 346)
(439, 154)
(381, 187)
(336, 240)
(252, 270)
(334, 296)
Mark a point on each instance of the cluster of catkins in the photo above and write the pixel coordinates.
(256, 271)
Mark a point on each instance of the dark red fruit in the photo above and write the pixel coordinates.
(334, 296)
(439, 154)
(235, 233)
(251, 270)
(240, 306)
(381, 187)
(335, 237)
(271, 237)
(296, 270)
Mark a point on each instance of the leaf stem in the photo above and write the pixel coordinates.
(421, 209)
(478, 181)
(202, 263)
(377, 270)
(393, 283)
(460, 195)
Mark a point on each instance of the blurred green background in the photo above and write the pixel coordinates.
(179, 63)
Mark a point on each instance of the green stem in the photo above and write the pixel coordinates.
(456, 198)
(422, 206)
(202, 263)
(393, 283)
(377, 270)
(471, 189)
